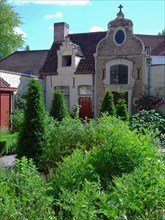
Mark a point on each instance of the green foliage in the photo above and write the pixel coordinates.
(23, 193)
(19, 102)
(148, 102)
(10, 40)
(139, 195)
(17, 119)
(162, 32)
(151, 121)
(32, 135)
(74, 112)
(115, 151)
(8, 142)
(108, 104)
(122, 110)
(63, 137)
(59, 109)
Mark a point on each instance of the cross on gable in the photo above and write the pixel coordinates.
(120, 6)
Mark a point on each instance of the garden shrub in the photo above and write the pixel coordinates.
(59, 109)
(108, 104)
(138, 195)
(8, 142)
(32, 136)
(23, 193)
(63, 137)
(19, 101)
(151, 121)
(122, 110)
(119, 151)
(17, 119)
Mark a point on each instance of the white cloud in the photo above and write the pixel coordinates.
(50, 28)
(96, 28)
(20, 32)
(51, 2)
(57, 15)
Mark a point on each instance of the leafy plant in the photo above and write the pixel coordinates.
(8, 142)
(108, 104)
(19, 101)
(122, 110)
(75, 110)
(148, 102)
(32, 136)
(59, 108)
(24, 194)
(151, 121)
(17, 119)
(115, 151)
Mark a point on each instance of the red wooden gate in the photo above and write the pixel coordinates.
(4, 109)
(6, 93)
(85, 107)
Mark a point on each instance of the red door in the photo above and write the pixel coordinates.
(85, 107)
(4, 109)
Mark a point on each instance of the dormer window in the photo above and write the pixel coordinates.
(66, 60)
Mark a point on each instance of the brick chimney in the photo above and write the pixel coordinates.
(61, 30)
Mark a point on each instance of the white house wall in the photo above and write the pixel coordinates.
(66, 79)
(17, 80)
(158, 80)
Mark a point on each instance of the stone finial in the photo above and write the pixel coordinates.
(120, 14)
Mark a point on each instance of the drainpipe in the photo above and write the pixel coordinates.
(149, 75)
(93, 94)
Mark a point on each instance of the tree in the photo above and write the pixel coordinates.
(33, 133)
(121, 108)
(162, 32)
(108, 104)
(59, 109)
(27, 48)
(10, 40)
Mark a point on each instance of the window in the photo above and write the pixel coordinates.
(119, 37)
(85, 90)
(119, 74)
(66, 60)
(65, 90)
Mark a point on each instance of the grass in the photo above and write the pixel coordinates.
(8, 142)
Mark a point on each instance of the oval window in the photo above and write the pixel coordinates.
(119, 37)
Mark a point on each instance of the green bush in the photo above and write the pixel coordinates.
(151, 121)
(122, 110)
(139, 195)
(108, 104)
(32, 136)
(24, 194)
(115, 151)
(59, 109)
(19, 101)
(17, 119)
(63, 137)
(8, 143)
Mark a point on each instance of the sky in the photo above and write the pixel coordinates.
(38, 17)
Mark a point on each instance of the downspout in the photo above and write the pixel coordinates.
(149, 75)
(93, 94)
(149, 69)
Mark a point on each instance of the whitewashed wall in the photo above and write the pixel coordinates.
(17, 80)
(66, 79)
(158, 80)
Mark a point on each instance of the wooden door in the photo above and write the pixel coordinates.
(85, 107)
(4, 109)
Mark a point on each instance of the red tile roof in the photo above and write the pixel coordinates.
(88, 42)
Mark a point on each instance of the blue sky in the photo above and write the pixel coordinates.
(38, 17)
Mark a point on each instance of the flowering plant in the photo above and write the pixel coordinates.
(148, 102)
